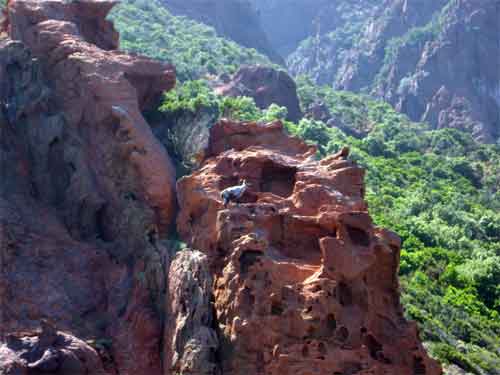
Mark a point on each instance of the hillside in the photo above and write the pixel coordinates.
(236, 20)
(195, 49)
(435, 61)
(367, 240)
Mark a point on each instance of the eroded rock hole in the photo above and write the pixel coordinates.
(373, 346)
(342, 334)
(305, 351)
(299, 239)
(418, 366)
(322, 349)
(278, 179)
(276, 308)
(358, 236)
(344, 294)
(247, 301)
(331, 323)
(101, 224)
(152, 236)
(248, 259)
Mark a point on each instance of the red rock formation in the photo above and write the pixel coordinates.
(304, 283)
(88, 81)
(87, 191)
(266, 86)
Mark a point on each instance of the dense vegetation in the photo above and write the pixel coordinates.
(195, 49)
(439, 189)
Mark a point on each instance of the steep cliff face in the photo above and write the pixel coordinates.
(433, 60)
(304, 283)
(87, 194)
(289, 22)
(234, 19)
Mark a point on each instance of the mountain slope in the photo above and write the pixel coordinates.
(436, 61)
(233, 19)
(147, 27)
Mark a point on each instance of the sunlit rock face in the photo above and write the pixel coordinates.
(304, 283)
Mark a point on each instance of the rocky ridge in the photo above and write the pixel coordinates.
(88, 279)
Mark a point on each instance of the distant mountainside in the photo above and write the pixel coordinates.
(434, 60)
(233, 19)
(437, 61)
(289, 22)
(196, 50)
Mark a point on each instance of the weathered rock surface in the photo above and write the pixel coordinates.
(304, 283)
(87, 192)
(48, 351)
(191, 340)
(266, 86)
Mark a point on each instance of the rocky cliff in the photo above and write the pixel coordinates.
(91, 284)
(433, 60)
(87, 194)
(304, 283)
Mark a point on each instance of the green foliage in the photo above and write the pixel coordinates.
(190, 96)
(193, 96)
(147, 27)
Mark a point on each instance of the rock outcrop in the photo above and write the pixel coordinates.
(87, 194)
(191, 340)
(266, 86)
(304, 283)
